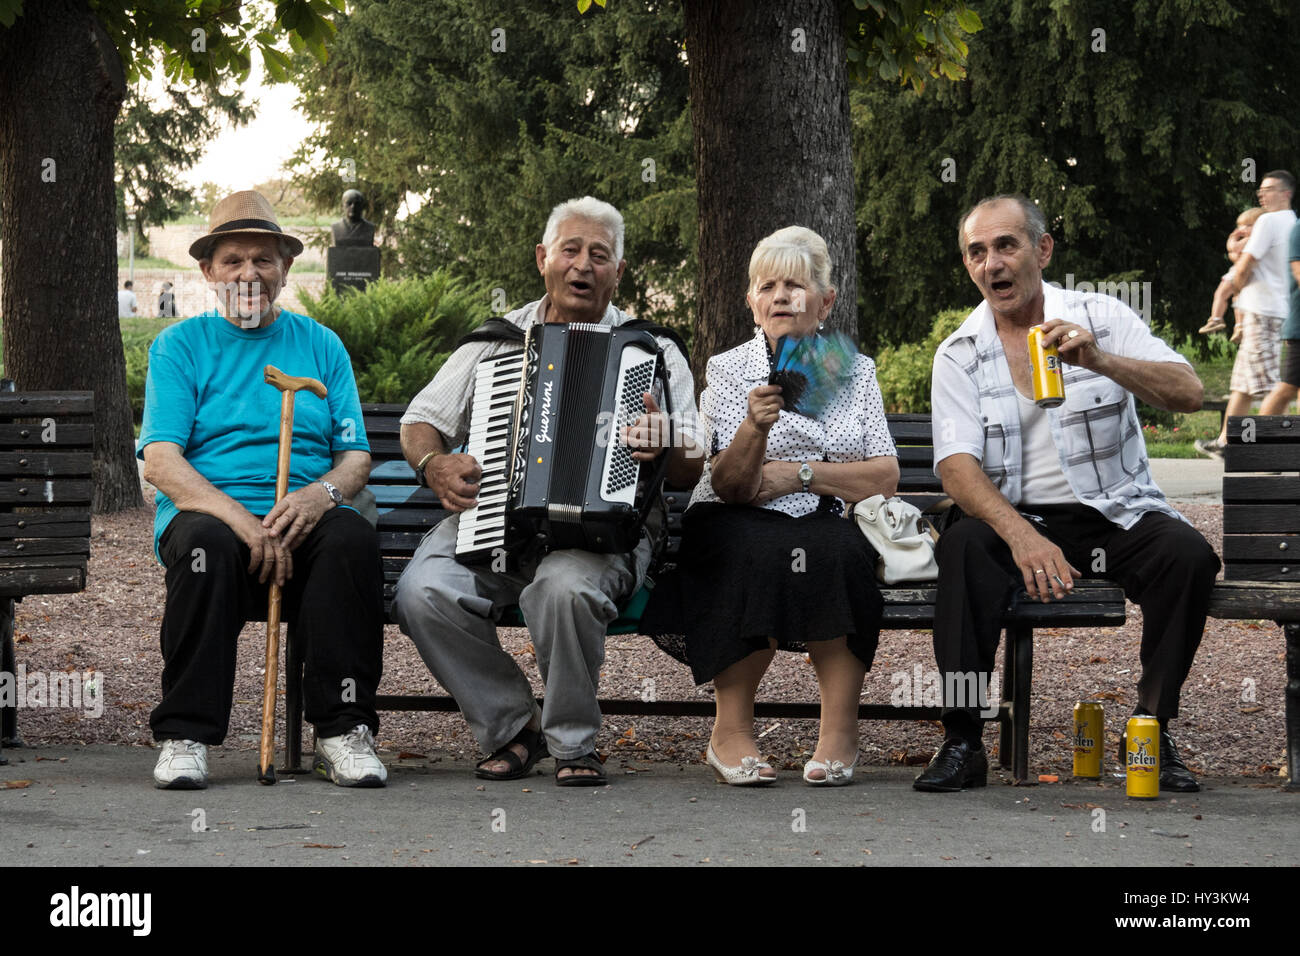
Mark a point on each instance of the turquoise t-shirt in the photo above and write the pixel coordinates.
(206, 392)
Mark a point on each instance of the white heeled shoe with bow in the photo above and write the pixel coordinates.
(837, 774)
(748, 774)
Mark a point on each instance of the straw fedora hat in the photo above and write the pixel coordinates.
(244, 212)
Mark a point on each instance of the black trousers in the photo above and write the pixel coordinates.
(335, 598)
(1164, 566)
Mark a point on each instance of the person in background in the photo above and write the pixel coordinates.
(167, 302)
(1223, 292)
(127, 305)
(1259, 280)
(1284, 392)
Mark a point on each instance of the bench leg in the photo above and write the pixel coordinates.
(292, 703)
(1006, 744)
(9, 714)
(1292, 632)
(1022, 640)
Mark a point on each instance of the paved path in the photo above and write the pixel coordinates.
(97, 806)
(1195, 480)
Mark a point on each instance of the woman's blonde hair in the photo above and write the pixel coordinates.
(794, 252)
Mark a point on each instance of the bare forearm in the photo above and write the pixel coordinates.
(418, 441)
(1168, 385)
(738, 469)
(972, 491)
(350, 473)
(190, 491)
(854, 480)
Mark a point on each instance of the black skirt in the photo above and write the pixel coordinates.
(747, 574)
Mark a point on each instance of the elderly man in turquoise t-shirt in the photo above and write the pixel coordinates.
(209, 444)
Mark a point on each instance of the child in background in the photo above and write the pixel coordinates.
(1219, 306)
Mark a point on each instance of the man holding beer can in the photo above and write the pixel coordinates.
(1045, 485)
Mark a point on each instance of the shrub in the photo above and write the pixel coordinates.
(398, 333)
(904, 370)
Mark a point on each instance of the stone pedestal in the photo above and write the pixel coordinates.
(351, 267)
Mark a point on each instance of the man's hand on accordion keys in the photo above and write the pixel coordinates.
(649, 434)
(455, 480)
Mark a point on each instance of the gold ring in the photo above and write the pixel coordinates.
(1040, 571)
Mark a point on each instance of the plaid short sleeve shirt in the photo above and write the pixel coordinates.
(1096, 431)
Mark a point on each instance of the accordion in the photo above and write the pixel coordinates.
(545, 427)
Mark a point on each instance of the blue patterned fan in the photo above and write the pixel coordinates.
(812, 370)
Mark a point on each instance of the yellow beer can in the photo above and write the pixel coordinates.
(1089, 734)
(1045, 362)
(1142, 758)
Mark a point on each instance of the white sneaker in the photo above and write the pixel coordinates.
(349, 760)
(182, 765)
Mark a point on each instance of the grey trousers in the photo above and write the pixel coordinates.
(450, 611)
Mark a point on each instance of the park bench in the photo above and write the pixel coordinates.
(45, 488)
(407, 512)
(1261, 543)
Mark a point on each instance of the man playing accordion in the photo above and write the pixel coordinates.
(568, 597)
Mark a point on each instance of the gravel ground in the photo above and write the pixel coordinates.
(1232, 721)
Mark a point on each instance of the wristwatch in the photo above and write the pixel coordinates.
(805, 475)
(336, 496)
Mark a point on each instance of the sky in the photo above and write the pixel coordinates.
(255, 153)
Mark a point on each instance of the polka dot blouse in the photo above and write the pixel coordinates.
(851, 428)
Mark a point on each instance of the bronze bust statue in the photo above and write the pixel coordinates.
(354, 229)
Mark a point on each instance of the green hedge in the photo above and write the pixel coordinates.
(399, 333)
(903, 371)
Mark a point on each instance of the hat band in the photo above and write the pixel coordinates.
(238, 225)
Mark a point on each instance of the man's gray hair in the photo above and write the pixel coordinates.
(587, 207)
(1035, 221)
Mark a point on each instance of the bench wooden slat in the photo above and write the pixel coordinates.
(63, 404)
(1264, 429)
(31, 465)
(18, 524)
(1238, 489)
(65, 435)
(1277, 548)
(45, 547)
(1261, 457)
(393, 496)
(915, 456)
(20, 582)
(55, 491)
(1248, 571)
(1276, 519)
(1246, 600)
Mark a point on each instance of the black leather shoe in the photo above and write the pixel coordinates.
(1174, 775)
(956, 766)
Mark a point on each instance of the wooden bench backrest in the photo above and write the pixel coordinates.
(1261, 512)
(45, 491)
(407, 512)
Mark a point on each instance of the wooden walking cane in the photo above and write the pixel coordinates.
(287, 384)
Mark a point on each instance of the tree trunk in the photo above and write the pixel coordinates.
(770, 108)
(61, 86)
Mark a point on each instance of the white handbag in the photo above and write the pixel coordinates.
(901, 535)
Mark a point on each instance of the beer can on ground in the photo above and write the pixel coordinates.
(1142, 759)
(1089, 727)
(1049, 386)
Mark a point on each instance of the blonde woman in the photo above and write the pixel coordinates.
(768, 561)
